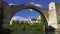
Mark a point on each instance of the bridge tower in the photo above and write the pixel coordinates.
(54, 15)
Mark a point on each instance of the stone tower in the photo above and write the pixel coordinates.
(54, 15)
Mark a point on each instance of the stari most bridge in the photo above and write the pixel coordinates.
(51, 16)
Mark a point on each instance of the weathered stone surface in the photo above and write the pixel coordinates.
(9, 11)
(52, 15)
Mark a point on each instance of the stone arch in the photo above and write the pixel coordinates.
(10, 10)
(42, 11)
(15, 9)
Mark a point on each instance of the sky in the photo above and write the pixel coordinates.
(26, 13)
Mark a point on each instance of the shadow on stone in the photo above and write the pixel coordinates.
(50, 28)
(5, 31)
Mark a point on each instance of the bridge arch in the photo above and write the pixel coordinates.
(15, 9)
(10, 10)
(40, 10)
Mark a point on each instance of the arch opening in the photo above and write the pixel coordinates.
(32, 9)
(36, 11)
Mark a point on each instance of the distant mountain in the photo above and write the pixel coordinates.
(18, 18)
(11, 4)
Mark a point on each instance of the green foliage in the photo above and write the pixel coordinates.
(25, 26)
(59, 22)
(43, 20)
(33, 19)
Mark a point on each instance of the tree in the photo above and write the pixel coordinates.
(33, 19)
(59, 22)
(43, 20)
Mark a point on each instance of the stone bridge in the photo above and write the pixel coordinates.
(7, 11)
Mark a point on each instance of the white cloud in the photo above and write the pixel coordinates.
(32, 3)
(31, 10)
(11, 4)
(38, 5)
